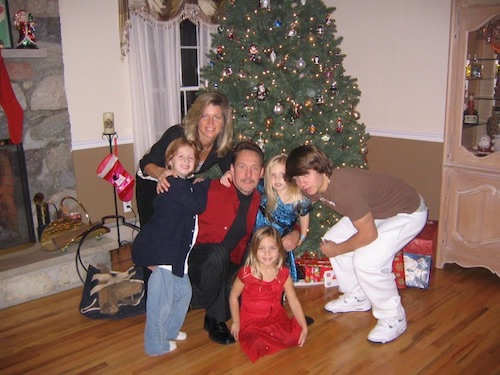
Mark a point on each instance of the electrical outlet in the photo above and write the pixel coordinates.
(127, 207)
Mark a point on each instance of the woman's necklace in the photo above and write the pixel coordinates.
(205, 148)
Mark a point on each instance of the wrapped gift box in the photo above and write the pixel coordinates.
(398, 268)
(421, 249)
(417, 270)
(313, 268)
(330, 279)
(425, 242)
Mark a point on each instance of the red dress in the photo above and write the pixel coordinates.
(265, 327)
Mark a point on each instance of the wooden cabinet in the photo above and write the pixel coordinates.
(469, 220)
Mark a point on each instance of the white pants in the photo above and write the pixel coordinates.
(367, 271)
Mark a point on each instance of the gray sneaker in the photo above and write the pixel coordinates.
(348, 303)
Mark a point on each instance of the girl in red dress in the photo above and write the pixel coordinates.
(261, 324)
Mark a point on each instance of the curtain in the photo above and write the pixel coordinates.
(153, 49)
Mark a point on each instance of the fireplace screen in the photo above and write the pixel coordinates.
(16, 219)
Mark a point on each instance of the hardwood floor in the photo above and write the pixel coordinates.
(453, 328)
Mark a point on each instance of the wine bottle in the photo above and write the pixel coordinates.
(471, 117)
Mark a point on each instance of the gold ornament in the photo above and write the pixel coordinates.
(269, 122)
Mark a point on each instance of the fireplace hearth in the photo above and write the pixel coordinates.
(16, 219)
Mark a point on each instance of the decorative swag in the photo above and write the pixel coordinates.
(165, 13)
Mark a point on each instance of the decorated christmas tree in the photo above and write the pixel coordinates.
(280, 64)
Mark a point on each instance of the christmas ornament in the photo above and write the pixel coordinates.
(278, 23)
(253, 50)
(325, 138)
(329, 74)
(230, 34)
(219, 52)
(242, 74)
(269, 122)
(309, 102)
(333, 88)
(227, 72)
(328, 20)
(303, 2)
(301, 63)
(296, 110)
(316, 60)
(247, 108)
(312, 129)
(260, 142)
(320, 30)
(211, 63)
(356, 115)
(279, 109)
(261, 91)
(272, 56)
(340, 125)
(220, 29)
(265, 4)
(320, 99)
(292, 32)
(25, 24)
(311, 93)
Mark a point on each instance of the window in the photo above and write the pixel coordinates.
(190, 64)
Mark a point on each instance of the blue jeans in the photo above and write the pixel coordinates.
(166, 308)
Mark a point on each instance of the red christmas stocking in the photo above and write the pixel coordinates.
(112, 171)
(9, 103)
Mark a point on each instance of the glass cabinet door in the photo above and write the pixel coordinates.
(481, 104)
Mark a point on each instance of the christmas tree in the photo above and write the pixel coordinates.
(280, 64)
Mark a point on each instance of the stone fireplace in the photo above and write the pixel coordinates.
(16, 220)
(37, 79)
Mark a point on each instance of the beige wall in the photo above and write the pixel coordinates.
(95, 193)
(416, 162)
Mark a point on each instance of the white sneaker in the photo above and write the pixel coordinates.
(348, 303)
(181, 336)
(387, 330)
(172, 345)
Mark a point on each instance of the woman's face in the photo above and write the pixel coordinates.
(211, 123)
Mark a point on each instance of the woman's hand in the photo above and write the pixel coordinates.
(226, 179)
(163, 184)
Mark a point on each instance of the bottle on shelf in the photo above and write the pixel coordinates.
(468, 68)
(471, 117)
(476, 68)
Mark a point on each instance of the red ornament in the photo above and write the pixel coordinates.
(340, 125)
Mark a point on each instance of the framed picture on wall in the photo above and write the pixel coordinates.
(5, 31)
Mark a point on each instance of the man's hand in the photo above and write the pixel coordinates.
(291, 240)
(329, 248)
